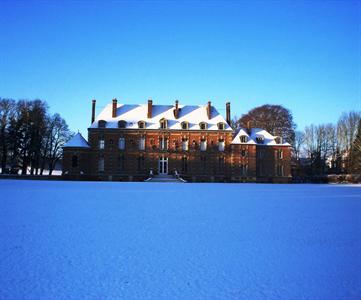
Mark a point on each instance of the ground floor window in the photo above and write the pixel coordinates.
(221, 164)
(74, 161)
(121, 162)
(101, 164)
(184, 164)
(244, 169)
(141, 163)
(280, 170)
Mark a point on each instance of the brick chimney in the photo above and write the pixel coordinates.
(93, 110)
(228, 113)
(249, 127)
(176, 109)
(114, 108)
(209, 110)
(150, 107)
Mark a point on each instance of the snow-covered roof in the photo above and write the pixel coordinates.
(266, 138)
(77, 141)
(132, 114)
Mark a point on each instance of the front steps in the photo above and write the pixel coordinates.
(165, 178)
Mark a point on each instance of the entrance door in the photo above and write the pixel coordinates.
(163, 165)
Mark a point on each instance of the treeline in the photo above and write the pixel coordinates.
(30, 137)
(319, 149)
(330, 148)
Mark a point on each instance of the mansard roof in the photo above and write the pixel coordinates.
(77, 141)
(132, 114)
(253, 134)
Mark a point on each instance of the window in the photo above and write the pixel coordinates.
(203, 163)
(122, 124)
(141, 125)
(74, 161)
(140, 162)
(221, 163)
(101, 144)
(280, 154)
(244, 170)
(260, 139)
(203, 145)
(221, 145)
(203, 125)
(121, 143)
(142, 143)
(101, 164)
(278, 140)
(185, 125)
(244, 138)
(163, 144)
(221, 126)
(122, 162)
(163, 124)
(185, 144)
(102, 124)
(243, 153)
(184, 164)
(279, 170)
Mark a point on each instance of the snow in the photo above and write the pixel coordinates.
(77, 141)
(132, 114)
(269, 139)
(107, 240)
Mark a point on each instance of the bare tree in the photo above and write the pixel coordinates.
(6, 111)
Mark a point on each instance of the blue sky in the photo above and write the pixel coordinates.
(303, 55)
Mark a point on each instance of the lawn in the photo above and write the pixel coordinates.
(107, 240)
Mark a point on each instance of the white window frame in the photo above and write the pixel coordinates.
(101, 144)
(203, 145)
(185, 145)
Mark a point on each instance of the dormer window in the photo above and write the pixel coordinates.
(102, 124)
(122, 124)
(203, 125)
(163, 124)
(221, 126)
(278, 140)
(244, 138)
(260, 139)
(141, 125)
(185, 125)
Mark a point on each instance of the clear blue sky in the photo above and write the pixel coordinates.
(303, 55)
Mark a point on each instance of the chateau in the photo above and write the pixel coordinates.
(130, 142)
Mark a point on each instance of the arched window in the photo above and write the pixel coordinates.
(203, 125)
(141, 125)
(102, 124)
(185, 125)
(74, 161)
(163, 123)
(221, 126)
(122, 124)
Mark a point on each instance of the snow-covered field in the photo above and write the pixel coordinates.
(99, 240)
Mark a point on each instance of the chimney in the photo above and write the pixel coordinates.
(228, 113)
(150, 106)
(249, 124)
(209, 110)
(93, 110)
(176, 109)
(114, 109)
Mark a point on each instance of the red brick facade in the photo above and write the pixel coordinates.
(123, 154)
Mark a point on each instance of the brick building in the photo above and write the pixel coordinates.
(127, 142)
